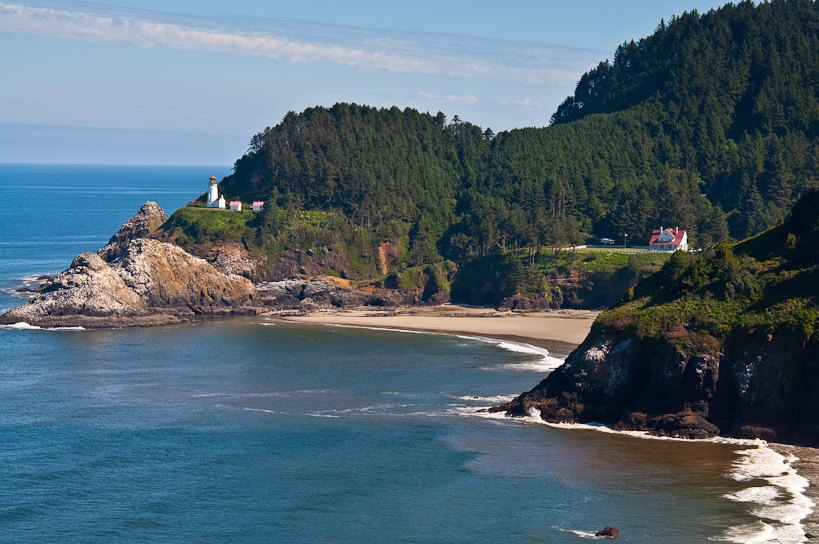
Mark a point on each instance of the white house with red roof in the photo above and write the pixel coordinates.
(668, 240)
(236, 205)
(257, 205)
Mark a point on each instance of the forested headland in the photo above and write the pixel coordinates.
(710, 124)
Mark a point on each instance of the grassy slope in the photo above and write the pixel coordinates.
(767, 284)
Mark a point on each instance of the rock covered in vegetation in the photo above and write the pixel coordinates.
(723, 343)
(752, 388)
(147, 220)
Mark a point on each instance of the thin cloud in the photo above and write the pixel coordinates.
(451, 98)
(466, 99)
(305, 41)
(529, 102)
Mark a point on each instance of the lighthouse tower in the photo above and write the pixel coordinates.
(214, 200)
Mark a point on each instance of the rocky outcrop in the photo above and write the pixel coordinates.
(89, 287)
(166, 276)
(757, 386)
(148, 284)
(147, 220)
(293, 262)
(314, 293)
(528, 304)
(608, 532)
(234, 258)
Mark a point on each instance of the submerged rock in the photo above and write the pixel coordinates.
(609, 532)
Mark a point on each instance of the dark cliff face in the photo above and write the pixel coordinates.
(755, 387)
(724, 342)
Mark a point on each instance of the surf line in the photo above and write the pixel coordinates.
(546, 363)
(776, 492)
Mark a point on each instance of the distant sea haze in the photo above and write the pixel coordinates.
(259, 430)
(31, 143)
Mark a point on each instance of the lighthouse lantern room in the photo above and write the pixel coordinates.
(214, 200)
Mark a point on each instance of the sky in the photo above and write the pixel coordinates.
(189, 82)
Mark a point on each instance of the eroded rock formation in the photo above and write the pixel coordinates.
(148, 282)
(147, 220)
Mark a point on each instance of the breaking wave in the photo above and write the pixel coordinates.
(23, 326)
(779, 500)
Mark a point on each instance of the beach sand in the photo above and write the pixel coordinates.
(568, 327)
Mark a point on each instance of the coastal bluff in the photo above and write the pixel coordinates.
(725, 342)
(134, 281)
(755, 387)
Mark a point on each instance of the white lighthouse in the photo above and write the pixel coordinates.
(214, 200)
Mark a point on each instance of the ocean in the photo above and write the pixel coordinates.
(259, 430)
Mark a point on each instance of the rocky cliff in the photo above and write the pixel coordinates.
(147, 283)
(165, 276)
(147, 220)
(723, 343)
(753, 387)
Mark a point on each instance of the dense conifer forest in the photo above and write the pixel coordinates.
(711, 124)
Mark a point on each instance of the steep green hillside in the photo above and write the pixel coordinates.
(724, 342)
(711, 124)
(766, 284)
(732, 95)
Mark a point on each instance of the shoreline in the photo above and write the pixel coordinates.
(562, 329)
(759, 465)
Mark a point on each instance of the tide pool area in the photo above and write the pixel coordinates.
(259, 430)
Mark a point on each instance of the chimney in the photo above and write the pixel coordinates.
(676, 230)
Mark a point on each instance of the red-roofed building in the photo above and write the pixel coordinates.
(235, 205)
(668, 240)
(257, 205)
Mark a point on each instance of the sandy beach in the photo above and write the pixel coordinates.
(568, 327)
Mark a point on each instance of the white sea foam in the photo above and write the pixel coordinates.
(493, 400)
(285, 394)
(781, 503)
(263, 410)
(23, 326)
(581, 534)
(545, 363)
(533, 416)
(766, 495)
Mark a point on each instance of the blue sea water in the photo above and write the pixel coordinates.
(259, 430)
